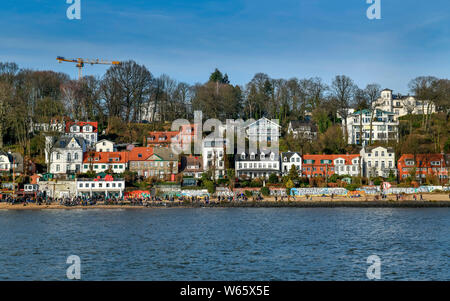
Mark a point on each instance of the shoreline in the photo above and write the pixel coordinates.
(259, 204)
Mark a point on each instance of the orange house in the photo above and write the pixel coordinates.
(423, 165)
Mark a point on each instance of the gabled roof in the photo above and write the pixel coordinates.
(288, 155)
(371, 148)
(64, 141)
(263, 119)
(94, 125)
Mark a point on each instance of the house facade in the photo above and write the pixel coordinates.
(257, 164)
(378, 161)
(384, 127)
(86, 130)
(104, 146)
(192, 166)
(423, 165)
(213, 154)
(328, 165)
(347, 165)
(107, 187)
(66, 155)
(403, 105)
(115, 162)
(263, 130)
(157, 162)
(289, 159)
(303, 130)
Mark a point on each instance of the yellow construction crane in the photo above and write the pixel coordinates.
(80, 63)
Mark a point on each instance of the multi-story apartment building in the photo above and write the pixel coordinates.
(378, 161)
(257, 165)
(384, 127)
(86, 130)
(116, 162)
(403, 105)
(289, 159)
(423, 165)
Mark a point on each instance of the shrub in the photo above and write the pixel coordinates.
(265, 191)
(248, 193)
(352, 187)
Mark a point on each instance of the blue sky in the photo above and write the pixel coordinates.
(283, 38)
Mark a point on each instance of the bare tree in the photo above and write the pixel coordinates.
(343, 90)
(373, 93)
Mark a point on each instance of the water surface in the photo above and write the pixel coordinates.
(226, 244)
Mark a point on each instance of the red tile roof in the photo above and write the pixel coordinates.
(106, 157)
(94, 124)
(166, 137)
(140, 153)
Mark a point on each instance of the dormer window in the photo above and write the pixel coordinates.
(272, 156)
(75, 128)
(252, 156)
(139, 155)
(243, 156)
(285, 159)
(263, 156)
(87, 128)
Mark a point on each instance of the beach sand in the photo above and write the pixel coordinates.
(407, 201)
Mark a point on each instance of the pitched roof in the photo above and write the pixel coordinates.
(347, 157)
(106, 157)
(297, 123)
(63, 141)
(140, 153)
(161, 137)
(94, 125)
(424, 158)
(288, 155)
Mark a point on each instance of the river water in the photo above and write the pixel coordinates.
(226, 244)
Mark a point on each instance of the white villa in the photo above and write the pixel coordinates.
(378, 161)
(289, 159)
(256, 165)
(104, 146)
(66, 155)
(403, 105)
